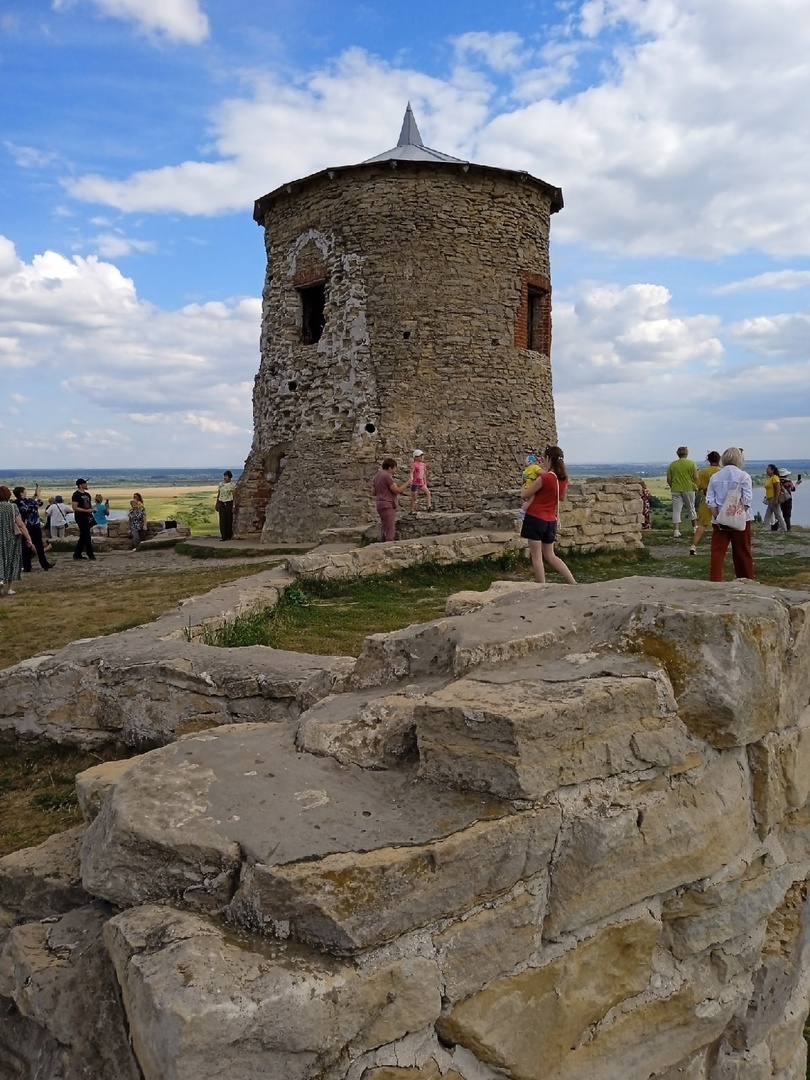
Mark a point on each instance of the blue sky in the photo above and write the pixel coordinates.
(135, 135)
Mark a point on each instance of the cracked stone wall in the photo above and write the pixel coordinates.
(425, 270)
(561, 832)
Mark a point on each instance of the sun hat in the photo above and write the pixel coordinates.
(418, 453)
(784, 472)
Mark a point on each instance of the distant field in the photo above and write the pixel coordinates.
(192, 505)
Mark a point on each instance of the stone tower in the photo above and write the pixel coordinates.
(407, 303)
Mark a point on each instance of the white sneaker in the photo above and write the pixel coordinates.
(11, 592)
(676, 536)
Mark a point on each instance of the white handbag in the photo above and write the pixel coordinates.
(733, 514)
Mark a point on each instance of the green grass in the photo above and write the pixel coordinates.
(327, 617)
(37, 789)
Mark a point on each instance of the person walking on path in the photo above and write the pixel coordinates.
(82, 504)
(224, 505)
(786, 495)
(731, 475)
(13, 532)
(540, 523)
(385, 491)
(29, 512)
(418, 482)
(773, 489)
(682, 480)
(704, 514)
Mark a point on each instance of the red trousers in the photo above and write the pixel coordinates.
(740, 552)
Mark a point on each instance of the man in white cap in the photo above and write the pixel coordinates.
(419, 480)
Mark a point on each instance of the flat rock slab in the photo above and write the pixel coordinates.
(180, 823)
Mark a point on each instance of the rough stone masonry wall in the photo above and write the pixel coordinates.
(562, 833)
(424, 344)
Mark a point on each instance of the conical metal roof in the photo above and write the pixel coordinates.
(410, 146)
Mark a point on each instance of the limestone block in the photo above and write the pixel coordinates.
(348, 902)
(780, 772)
(528, 1023)
(94, 783)
(794, 836)
(690, 828)
(649, 1039)
(59, 976)
(179, 824)
(369, 730)
(202, 1005)
(487, 945)
(127, 851)
(39, 882)
(511, 627)
(696, 919)
(467, 601)
(725, 653)
(524, 740)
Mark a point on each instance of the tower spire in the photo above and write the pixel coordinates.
(409, 136)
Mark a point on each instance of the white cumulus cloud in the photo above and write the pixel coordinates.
(175, 20)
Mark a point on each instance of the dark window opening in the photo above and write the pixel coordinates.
(370, 428)
(313, 299)
(292, 385)
(538, 329)
(406, 335)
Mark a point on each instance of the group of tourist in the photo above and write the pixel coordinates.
(23, 535)
(543, 490)
(723, 480)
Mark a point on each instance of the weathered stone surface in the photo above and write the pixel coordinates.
(379, 559)
(46, 969)
(780, 772)
(727, 703)
(443, 897)
(95, 783)
(696, 919)
(470, 600)
(753, 1064)
(430, 1071)
(693, 1067)
(650, 1039)
(526, 739)
(177, 826)
(200, 1006)
(506, 629)
(373, 729)
(347, 902)
(39, 882)
(142, 686)
(528, 1023)
(673, 832)
(488, 944)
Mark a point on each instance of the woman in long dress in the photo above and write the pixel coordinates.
(11, 539)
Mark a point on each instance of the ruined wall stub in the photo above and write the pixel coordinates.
(434, 278)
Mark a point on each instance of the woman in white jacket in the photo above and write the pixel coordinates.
(731, 476)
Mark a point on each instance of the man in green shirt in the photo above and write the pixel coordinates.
(682, 478)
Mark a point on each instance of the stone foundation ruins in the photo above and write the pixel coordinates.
(561, 832)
